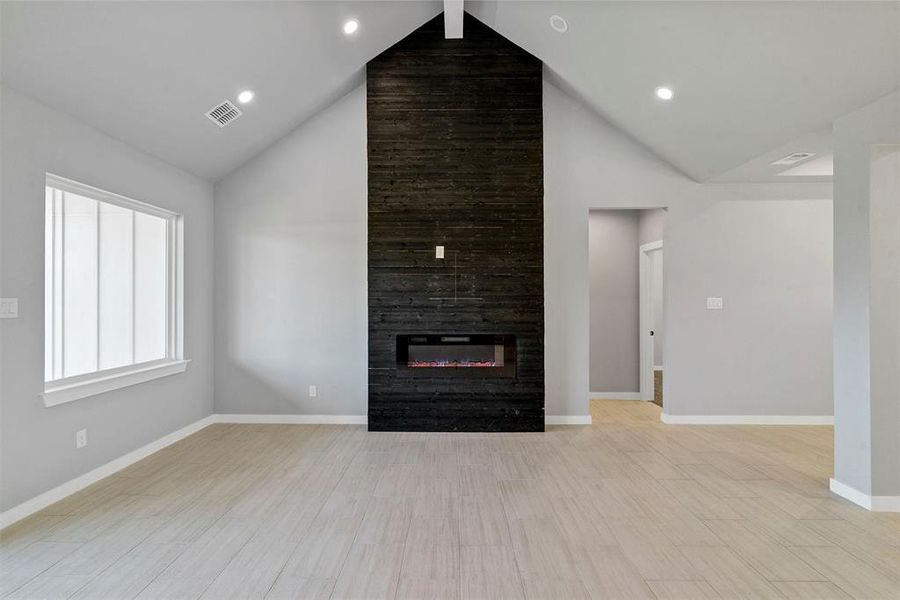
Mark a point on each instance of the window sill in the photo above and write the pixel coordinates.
(63, 392)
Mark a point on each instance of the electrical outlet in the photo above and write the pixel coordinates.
(439, 252)
(9, 308)
(714, 304)
(313, 391)
(81, 438)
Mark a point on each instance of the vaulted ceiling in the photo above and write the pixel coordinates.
(749, 77)
(146, 72)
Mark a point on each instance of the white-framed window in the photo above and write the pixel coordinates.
(113, 291)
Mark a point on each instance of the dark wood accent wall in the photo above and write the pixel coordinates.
(455, 159)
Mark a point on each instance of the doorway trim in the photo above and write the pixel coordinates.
(645, 322)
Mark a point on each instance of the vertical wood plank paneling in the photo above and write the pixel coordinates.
(455, 159)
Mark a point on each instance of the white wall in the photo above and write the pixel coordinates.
(613, 266)
(291, 289)
(38, 450)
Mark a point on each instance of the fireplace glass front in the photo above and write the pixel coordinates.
(478, 355)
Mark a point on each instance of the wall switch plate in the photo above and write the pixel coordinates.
(439, 252)
(9, 308)
(81, 438)
(714, 304)
(313, 391)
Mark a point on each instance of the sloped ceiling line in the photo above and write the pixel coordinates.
(748, 77)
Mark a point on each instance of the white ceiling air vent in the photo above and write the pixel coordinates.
(792, 159)
(224, 113)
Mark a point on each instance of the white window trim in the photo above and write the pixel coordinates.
(67, 389)
(82, 386)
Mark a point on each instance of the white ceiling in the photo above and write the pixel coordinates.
(749, 77)
(146, 72)
(819, 167)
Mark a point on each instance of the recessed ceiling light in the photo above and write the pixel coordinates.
(245, 96)
(351, 26)
(664, 93)
(559, 24)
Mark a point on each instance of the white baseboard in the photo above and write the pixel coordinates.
(873, 503)
(29, 507)
(567, 420)
(615, 396)
(746, 419)
(293, 419)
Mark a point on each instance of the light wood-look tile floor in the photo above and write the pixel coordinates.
(625, 508)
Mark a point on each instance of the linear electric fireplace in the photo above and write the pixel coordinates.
(476, 355)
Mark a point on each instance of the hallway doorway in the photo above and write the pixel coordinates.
(625, 260)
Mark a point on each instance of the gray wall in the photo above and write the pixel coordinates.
(38, 451)
(769, 351)
(291, 262)
(651, 228)
(291, 272)
(589, 164)
(657, 273)
(614, 355)
(885, 317)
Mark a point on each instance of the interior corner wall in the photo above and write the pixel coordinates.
(651, 225)
(38, 451)
(866, 348)
(885, 318)
(291, 294)
(614, 300)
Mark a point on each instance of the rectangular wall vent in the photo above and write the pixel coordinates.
(224, 113)
(792, 159)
